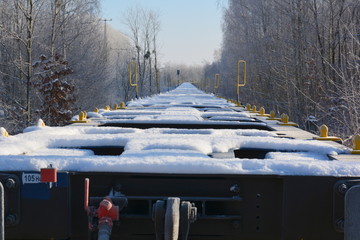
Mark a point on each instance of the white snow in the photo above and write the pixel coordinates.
(164, 150)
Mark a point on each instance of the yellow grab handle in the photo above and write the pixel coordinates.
(216, 81)
(238, 75)
(133, 67)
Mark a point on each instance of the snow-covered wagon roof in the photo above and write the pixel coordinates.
(182, 131)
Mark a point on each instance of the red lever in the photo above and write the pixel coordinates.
(106, 214)
(106, 207)
(86, 197)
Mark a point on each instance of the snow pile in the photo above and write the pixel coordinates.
(39, 126)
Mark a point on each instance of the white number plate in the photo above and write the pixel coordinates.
(30, 178)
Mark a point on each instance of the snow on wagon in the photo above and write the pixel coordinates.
(179, 165)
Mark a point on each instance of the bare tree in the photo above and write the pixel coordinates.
(29, 29)
(144, 26)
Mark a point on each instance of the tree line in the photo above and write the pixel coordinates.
(58, 57)
(46, 49)
(303, 58)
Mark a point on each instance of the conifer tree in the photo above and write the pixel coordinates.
(56, 91)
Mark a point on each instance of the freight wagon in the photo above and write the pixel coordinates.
(179, 165)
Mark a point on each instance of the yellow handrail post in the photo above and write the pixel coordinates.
(216, 82)
(238, 85)
(133, 66)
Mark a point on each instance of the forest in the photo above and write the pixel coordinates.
(60, 57)
(46, 49)
(303, 59)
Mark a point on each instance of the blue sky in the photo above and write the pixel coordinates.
(190, 29)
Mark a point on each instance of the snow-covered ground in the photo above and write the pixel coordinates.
(166, 150)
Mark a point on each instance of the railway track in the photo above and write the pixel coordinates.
(179, 165)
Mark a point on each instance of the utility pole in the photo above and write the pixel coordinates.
(105, 37)
(178, 76)
(118, 60)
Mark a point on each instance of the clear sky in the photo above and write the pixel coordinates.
(190, 29)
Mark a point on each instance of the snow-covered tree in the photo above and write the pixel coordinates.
(303, 58)
(72, 28)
